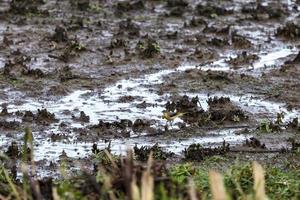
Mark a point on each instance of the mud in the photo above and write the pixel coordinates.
(81, 73)
(196, 152)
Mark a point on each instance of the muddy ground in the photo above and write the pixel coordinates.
(103, 72)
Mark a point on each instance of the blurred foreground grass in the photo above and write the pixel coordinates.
(125, 178)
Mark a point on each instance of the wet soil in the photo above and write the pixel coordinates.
(80, 73)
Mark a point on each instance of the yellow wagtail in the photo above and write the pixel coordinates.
(170, 116)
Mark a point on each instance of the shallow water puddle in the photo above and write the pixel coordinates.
(92, 106)
(53, 150)
(108, 106)
(270, 59)
(266, 60)
(2, 62)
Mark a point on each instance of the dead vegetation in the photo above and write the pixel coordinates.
(196, 152)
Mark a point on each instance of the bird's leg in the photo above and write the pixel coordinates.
(171, 123)
(166, 126)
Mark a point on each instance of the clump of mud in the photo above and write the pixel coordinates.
(83, 117)
(296, 60)
(261, 12)
(242, 59)
(239, 41)
(196, 21)
(184, 104)
(177, 8)
(202, 54)
(28, 116)
(4, 111)
(9, 125)
(83, 5)
(58, 90)
(126, 99)
(14, 151)
(25, 6)
(36, 73)
(117, 43)
(60, 34)
(220, 110)
(71, 50)
(216, 76)
(254, 143)
(220, 30)
(126, 6)
(42, 116)
(294, 124)
(290, 30)
(143, 153)
(122, 128)
(210, 10)
(112, 129)
(58, 137)
(177, 3)
(196, 152)
(66, 74)
(139, 125)
(148, 49)
(16, 65)
(218, 42)
(129, 27)
(295, 144)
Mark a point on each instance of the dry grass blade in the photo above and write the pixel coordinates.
(147, 186)
(112, 195)
(148, 182)
(34, 184)
(259, 182)
(127, 172)
(55, 195)
(135, 193)
(35, 187)
(217, 186)
(111, 159)
(192, 190)
(108, 184)
(150, 162)
(12, 186)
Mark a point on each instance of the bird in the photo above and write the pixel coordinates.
(170, 116)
